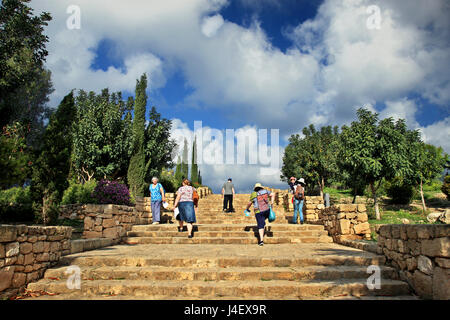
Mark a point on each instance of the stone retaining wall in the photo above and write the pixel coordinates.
(108, 221)
(421, 253)
(27, 251)
(346, 222)
(72, 211)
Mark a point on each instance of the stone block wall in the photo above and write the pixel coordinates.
(312, 207)
(108, 221)
(27, 251)
(72, 211)
(346, 222)
(421, 253)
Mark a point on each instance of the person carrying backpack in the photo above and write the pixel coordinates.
(157, 196)
(299, 196)
(260, 200)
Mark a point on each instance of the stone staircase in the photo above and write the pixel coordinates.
(223, 261)
(217, 227)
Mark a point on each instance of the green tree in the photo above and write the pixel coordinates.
(194, 166)
(178, 172)
(374, 150)
(102, 136)
(184, 162)
(199, 178)
(136, 170)
(446, 186)
(312, 157)
(51, 169)
(429, 164)
(15, 159)
(24, 83)
(159, 148)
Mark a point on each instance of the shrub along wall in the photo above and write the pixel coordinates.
(421, 253)
(27, 251)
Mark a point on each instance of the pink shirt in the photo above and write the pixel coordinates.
(186, 193)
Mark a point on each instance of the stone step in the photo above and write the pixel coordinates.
(272, 289)
(228, 240)
(221, 262)
(233, 227)
(227, 234)
(78, 296)
(219, 274)
(236, 221)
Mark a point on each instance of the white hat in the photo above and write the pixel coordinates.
(301, 180)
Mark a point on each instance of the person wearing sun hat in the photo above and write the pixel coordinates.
(260, 200)
(291, 183)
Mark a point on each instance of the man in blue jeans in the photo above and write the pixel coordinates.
(299, 196)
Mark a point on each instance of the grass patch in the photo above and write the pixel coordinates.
(396, 216)
(338, 194)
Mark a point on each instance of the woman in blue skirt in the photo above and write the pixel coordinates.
(185, 204)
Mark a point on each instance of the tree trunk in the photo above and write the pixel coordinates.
(375, 202)
(355, 190)
(424, 207)
(321, 186)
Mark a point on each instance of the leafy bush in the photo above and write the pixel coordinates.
(16, 205)
(435, 186)
(168, 181)
(446, 186)
(399, 191)
(112, 192)
(79, 193)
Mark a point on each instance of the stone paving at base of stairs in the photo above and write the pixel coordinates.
(230, 250)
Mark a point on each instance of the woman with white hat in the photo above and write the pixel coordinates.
(260, 200)
(299, 196)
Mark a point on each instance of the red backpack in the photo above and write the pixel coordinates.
(262, 200)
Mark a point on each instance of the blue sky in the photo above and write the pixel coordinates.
(253, 64)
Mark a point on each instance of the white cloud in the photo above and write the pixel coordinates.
(211, 25)
(438, 134)
(401, 109)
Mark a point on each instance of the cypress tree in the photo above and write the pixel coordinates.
(184, 162)
(199, 178)
(194, 166)
(136, 169)
(178, 173)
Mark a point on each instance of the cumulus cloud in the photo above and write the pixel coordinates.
(438, 134)
(335, 65)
